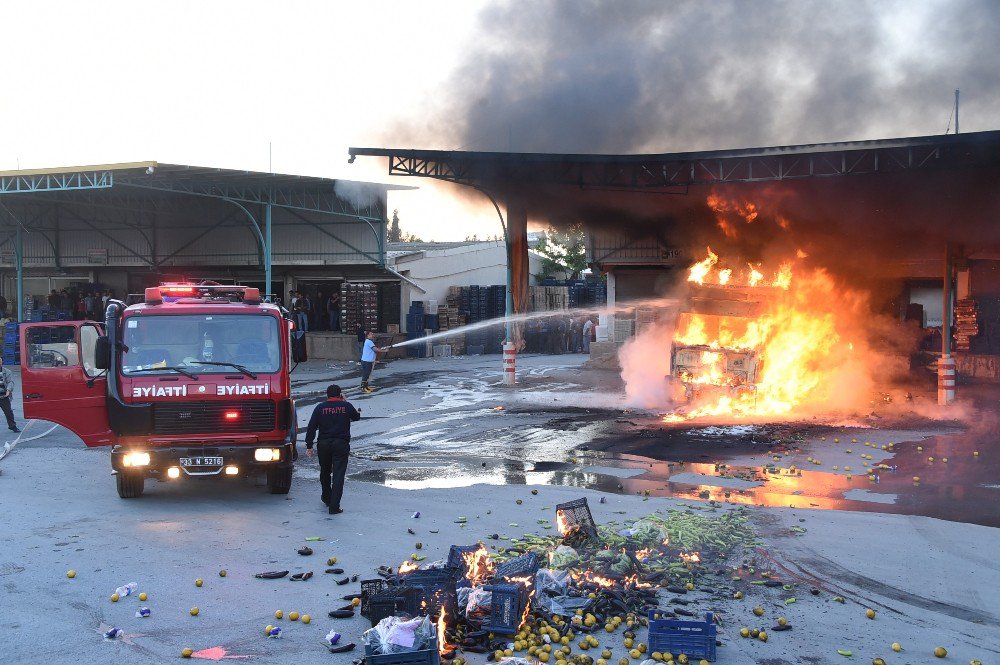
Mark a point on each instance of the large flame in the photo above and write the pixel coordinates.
(478, 565)
(758, 341)
(407, 566)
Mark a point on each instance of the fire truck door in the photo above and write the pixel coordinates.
(59, 380)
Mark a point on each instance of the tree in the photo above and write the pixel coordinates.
(395, 234)
(489, 238)
(563, 251)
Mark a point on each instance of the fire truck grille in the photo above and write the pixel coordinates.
(211, 417)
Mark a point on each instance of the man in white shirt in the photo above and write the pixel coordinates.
(368, 354)
(588, 330)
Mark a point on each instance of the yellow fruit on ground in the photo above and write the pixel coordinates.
(115, 598)
(940, 652)
(506, 652)
(782, 621)
(897, 647)
(186, 652)
(498, 654)
(642, 648)
(600, 661)
(609, 627)
(355, 601)
(738, 595)
(944, 459)
(629, 642)
(222, 573)
(544, 657)
(306, 619)
(72, 573)
(564, 640)
(703, 662)
(870, 613)
(268, 628)
(762, 636)
(682, 658)
(689, 586)
(606, 653)
(293, 616)
(332, 560)
(656, 655)
(635, 653)
(143, 596)
(975, 661)
(199, 582)
(623, 661)
(916, 479)
(194, 611)
(759, 611)
(744, 632)
(878, 661)
(278, 614)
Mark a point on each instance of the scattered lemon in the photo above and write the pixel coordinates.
(870, 613)
(897, 647)
(278, 614)
(293, 616)
(975, 453)
(355, 601)
(332, 560)
(878, 661)
(689, 586)
(916, 479)
(306, 619)
(975, 661)
(623, 661)
(920, 449)
(72, 573)
(114, 597)
(762, 636)
(782, 621)
(940, 652)
(186, 652)
(635, 653)
(143, 596)
(738, 595)
(759, 611)
(944, 459)
(199, 582)
(606, 653)
(847, 468)
(744, 632)
(194, 611)
(222, 573)
(268, 628)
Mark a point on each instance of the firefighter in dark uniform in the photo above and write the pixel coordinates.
(332, 421)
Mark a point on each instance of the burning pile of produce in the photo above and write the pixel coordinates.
(595, 579)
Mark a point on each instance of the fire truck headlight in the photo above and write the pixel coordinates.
(267, 454)
(173, 472)
(232, 470)
(136, 459)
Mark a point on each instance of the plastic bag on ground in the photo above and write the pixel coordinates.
(480, 603)
(564, 556)
(549, 583)
(567, 605)
(396, 635)
(514, 660)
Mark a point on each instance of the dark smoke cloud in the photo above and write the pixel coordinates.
(619, 77)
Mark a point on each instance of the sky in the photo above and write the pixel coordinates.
(290, 86)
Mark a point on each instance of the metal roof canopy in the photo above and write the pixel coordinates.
(683, 169)
(134, 195)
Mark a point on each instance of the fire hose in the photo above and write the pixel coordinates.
(10, 445)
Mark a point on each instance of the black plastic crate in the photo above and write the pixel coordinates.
(456, 557)
(576, 516)
(525, 565)
(428, 591)
(429, 656)
(370, 588)
(506, 607)
(386, 603)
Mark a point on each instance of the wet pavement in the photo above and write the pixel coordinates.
(556, 430)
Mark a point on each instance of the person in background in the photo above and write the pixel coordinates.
(320, 320)
(362, 336)
(301, 312)
(333, 311)
(3, 307)
(575, 336)
(6, 392)
(331, 420)
(369, 352)
(588, 331)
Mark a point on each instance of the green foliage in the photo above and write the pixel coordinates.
(563, 251)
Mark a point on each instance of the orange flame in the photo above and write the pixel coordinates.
(478, 565)
(768, 346)
(644, 553)
(562, 524)
(442, 624)
(692, 557)
(407, 566)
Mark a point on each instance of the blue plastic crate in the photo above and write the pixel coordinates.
(506, 608)
(10, 326)
(10, 336)
(456, 557)
(423, 657)
(525, 565)
(694, 638)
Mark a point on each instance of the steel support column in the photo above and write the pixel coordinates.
(267, 252)
(19, 259)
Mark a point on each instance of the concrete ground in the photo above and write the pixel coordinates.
(441, 437)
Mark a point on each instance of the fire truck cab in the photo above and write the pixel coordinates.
(191, 382)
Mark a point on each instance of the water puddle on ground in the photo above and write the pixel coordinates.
(727, 465)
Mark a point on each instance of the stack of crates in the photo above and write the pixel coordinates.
(11, 344)
(415, 329)
(359, 304)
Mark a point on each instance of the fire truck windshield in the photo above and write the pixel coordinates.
(201, 344)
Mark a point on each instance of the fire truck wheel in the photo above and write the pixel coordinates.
(279, 481)
(130, 485)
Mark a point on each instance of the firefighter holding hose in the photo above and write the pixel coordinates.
(369, 352)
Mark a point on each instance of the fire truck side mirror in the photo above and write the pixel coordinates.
(102, 353)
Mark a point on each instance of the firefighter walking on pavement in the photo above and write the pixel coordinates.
(330, 427)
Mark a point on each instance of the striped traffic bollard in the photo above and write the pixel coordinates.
(509, 358)
(946, 380)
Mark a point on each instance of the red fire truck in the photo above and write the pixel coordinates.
(191, 382)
